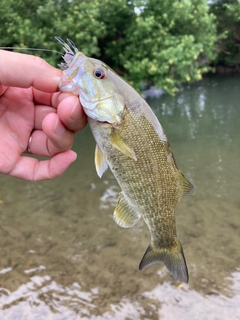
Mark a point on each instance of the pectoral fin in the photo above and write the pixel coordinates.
(124, 215)
(100, 162)
(118, 143)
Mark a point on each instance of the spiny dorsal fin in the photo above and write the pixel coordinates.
(118, 143)
(100, 162)
(124, 215)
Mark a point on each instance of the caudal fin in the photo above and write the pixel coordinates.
(173, 258)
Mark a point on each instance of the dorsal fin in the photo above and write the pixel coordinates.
(187, 187)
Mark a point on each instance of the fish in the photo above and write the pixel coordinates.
(132, 143)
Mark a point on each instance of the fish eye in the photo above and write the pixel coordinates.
(99, 73)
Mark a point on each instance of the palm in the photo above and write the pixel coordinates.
(30, 112)
(16, 124)
(31, 106)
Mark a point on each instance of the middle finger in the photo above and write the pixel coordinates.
(40, 113)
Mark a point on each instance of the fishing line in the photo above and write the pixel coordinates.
(20, 48)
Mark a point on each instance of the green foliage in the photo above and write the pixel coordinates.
(228, 28)
(169, 43)
(162, 42)
(34, 23)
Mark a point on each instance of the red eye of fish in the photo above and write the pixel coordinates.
(99, 73)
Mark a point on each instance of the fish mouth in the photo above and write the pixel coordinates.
(71, 75)
(66, 85)
(69, 80)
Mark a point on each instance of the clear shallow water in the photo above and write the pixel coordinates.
(63, 257)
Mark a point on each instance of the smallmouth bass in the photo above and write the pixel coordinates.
(132, 143)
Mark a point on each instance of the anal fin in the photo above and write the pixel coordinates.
(124, 215)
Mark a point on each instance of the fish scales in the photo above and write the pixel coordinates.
(147, 181)
(132, 143)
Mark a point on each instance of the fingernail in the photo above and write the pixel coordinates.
(75, 154)
(76, 114)
(59, 127)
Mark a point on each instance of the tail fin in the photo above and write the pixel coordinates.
(173, 258)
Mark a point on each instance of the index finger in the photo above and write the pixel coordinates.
(24, 71)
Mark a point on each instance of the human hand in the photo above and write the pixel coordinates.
(35, 117)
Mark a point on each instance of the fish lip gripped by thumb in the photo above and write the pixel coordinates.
(132, 143)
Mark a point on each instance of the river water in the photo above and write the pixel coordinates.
(63, 257)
